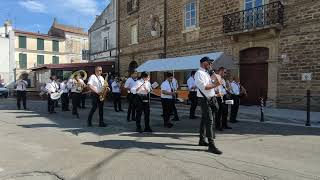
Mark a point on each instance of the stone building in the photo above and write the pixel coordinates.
(103, 35)
(272, 42)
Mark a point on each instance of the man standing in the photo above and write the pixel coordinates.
(235, 94)
(167, 97)
(76, 85)
(116, 94)
(222, 114)
(206, 93)
(142, 89)
(65, 95)
(22, 85)
(192, 95)
(96, 83)
(128, 85)
(51, 87)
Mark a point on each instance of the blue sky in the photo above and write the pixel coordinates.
(37, 15)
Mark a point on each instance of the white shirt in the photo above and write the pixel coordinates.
(130, 82)
(96, 82)
(115, 87)
(52, 87)
(221, 88)
(191, 83)
(235, 87)
(73, 87)
(202, 79)
(167, 86)
(145, 86)
(64, 87)
(21, 85)
(175, 84)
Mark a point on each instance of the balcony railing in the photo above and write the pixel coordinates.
(256, 18)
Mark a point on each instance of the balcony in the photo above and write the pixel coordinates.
(262, 17)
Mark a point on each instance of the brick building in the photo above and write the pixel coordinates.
(272, 42)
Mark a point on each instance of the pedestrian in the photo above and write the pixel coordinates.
(175, 86)
(192, 95)
(235, 95)
(206, 96)
(76, 85)
(142, 89)
(21, 89)
(116, 94)
(131, 97)
(222, 96)
(167, 99)
(52, 87)
(65, 95)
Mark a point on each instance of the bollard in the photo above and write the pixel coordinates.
(261, 109)
(308, 108)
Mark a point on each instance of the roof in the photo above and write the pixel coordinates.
(186, 63)
(72, 65)
(70, 29)
(16, 31)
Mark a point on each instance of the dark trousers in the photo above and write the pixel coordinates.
(145, 108)
(96, 103)
(83, 100)
(194, 102)
(75, 101)
(207, 119)
(51, 104)
(174, 108)
(167, 108)
(65, 101)
(131, 107)
(117, 101)
(22, 95)
(222, 114)
(234, 107)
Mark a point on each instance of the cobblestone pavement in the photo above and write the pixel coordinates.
(36, 145)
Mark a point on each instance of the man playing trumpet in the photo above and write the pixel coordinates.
(76, 85)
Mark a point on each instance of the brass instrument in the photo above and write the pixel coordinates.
(79, 86)
(105, 89)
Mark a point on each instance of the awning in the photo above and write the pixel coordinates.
(187, 63)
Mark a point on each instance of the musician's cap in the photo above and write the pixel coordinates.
(206, 59)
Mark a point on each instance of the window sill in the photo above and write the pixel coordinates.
(191, 29)
(133, 44)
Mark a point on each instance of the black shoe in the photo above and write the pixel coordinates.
(89, 125)
(212, 149)
(168, 125)
(234, 121)
(227, 127)
(139, 130)
(77, 115)
(116, 110)
(219, 129)
(67, 109)
(203, 143)
(192, 117)
(121, 110)
(175, 119)
(128, 120)
(83, 107)
(148, 130)
(103, 125)
(133, 120)
(54, 112)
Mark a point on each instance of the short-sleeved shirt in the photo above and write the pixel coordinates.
(21, 85)
(97, 82)
(73, 86)
(191, 83)
(129, 84)
(145, 86)
(167, 86)
(115, 87)
(235, 88)
(52, 87)
(202, 79)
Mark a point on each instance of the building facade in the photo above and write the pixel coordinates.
(103, 35)
(274, 43)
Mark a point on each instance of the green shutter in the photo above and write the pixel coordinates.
(55, 60)
(40, 59)
(55, 46)
(22, 42)
(40, 44)
(22, 61)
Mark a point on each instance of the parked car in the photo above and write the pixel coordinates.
(4, 91)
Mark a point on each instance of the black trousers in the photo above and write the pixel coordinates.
(96, 103)
(174, 108)
(83, 100)
(194, 102)
(222, 114)
(167, 108)
(75, 101)
(117, 101)
(51, 104)
(22, 95)
(65, 101)
(145, 108)
(207, 119)
(234, 107)
(131, 108)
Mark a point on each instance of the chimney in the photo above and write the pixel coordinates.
(7, 27)
(54, 20)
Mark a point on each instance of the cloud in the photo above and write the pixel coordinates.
(85, 7)
(33, 6)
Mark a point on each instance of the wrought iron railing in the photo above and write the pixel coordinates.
(255, 18)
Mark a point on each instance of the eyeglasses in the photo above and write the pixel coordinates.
(100, 70)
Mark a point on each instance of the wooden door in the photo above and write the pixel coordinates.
(254, 74)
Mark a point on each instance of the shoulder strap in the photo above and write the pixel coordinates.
(203, 94)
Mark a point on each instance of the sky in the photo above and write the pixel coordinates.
(38, 15)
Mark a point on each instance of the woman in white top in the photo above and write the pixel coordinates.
(116, 94)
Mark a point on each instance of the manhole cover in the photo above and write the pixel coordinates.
(33, 176)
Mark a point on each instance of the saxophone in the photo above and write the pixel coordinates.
(105, 89)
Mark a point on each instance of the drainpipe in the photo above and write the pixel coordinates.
(118, 36)
(165, 30)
